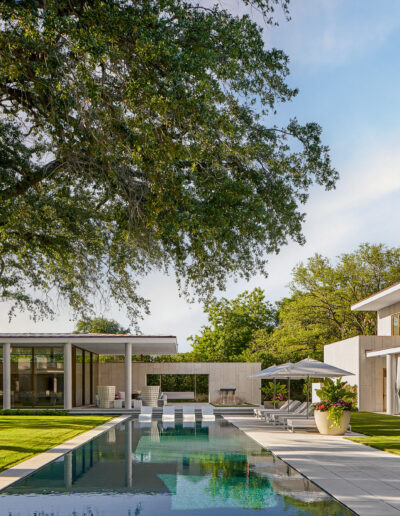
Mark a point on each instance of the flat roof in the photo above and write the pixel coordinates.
(385, 297)
(101, 343)
(382, 352)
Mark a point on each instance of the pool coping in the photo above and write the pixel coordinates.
(23, 469)
(368, 502)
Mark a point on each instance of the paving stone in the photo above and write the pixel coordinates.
(364, 479)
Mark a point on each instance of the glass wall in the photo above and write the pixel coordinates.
(95, 375)
(87, 399)
(85, 376)
(37, 376)
(78, 377)
(1, 377)
(48, 376)
(21, 377)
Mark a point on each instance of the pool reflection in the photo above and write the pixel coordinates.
(162, 468)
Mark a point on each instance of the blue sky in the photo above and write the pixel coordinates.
(344, 59)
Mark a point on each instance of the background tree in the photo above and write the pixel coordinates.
(232, 325)
(138, 136)
(318, 311)
(100, 325)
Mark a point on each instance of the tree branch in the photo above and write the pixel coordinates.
(29, 180)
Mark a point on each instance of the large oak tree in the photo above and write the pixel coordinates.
(139, 135)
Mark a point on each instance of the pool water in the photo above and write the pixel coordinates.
(155, 469)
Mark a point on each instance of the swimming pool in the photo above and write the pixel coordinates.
(155, 469)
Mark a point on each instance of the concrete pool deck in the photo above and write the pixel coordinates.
(364, 479)
(25, 468)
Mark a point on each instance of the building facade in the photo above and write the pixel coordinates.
(374, 360)
(63, 370)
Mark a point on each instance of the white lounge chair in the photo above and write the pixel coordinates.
(146, 414)
(188, 413)
(168, 413)
(207, 413)
(262, 413)
(279, 419)
(292, 424)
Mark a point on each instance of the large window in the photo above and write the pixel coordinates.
(21, 377)
(85, 376)
(197, 383)
(37, 376)
(396, 324)
(78, 355)
(1, 377)
(48, 376)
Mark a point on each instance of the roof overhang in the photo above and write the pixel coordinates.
(103, 344)
(386, 297)
(382, 352)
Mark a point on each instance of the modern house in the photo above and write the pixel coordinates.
(63, 369)
(374, 359)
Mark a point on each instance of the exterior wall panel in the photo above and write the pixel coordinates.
(221, 375)
(384, 319)
(350, 354)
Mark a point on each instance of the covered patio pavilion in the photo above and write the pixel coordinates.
(33, 361)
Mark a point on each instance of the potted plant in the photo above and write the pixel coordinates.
(274, 397)
(332, 413)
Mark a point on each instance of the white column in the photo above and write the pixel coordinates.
(128, 375)
(6, 376)
(389, 384)
(68, 376)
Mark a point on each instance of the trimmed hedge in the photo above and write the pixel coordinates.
(22, 412)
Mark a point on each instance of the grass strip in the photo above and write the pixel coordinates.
(381, 431)
(22, 437)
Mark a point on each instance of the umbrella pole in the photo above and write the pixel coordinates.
(308, 397)
(274, 393)
(288, 405)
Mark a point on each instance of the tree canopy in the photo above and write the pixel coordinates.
(318, 311)
(138, 136)
(232, 325)
(100, 325)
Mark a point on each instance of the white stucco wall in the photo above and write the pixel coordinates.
(221, 374)
(384, 319)
(350, 354)
(346, 355)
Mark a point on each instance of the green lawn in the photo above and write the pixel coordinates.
(383, 431)
(21, 437)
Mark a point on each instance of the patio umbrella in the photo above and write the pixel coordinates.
(265, 373)
(317, 369)
(286, 371)
(305, 369)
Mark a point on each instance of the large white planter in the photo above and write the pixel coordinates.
(326, 427)
(106, 394)
(150, 395)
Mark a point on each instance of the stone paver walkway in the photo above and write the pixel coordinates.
(364, 479)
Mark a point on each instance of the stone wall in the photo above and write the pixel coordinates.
(221, 375)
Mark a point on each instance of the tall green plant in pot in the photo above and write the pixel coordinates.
(274, 396)
(332, 413)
